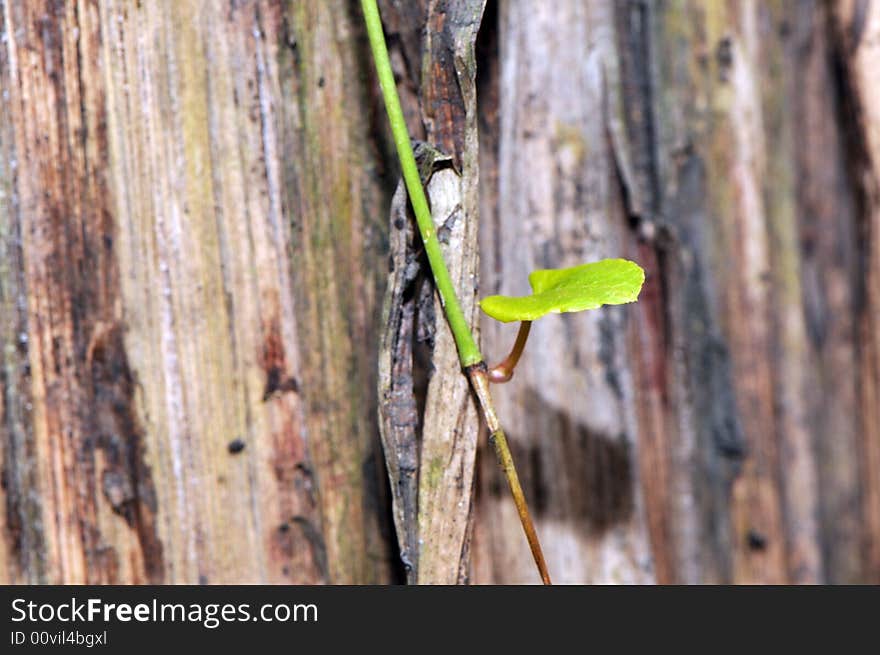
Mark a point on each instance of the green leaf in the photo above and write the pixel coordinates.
(558, 290)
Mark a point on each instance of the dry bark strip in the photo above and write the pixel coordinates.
(430, 453)
(450, 423)
(399, 416)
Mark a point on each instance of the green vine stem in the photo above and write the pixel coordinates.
(468, 352)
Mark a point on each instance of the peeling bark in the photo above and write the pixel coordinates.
(399, 415)
(430, 450)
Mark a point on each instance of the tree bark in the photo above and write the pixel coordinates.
(568, 411)
(194, 251)
(193, 239)
(429, 417)
(713, 143)
(857, 44)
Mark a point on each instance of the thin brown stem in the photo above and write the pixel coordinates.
(504, 371)
(480, 381)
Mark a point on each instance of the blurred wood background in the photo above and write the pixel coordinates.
(194, 249)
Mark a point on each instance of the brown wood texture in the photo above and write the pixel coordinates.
(194, 249)
(727, 147)
(193, 228)
(857, 32)
(569, 410)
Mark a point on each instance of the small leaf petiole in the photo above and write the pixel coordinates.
(503, 372)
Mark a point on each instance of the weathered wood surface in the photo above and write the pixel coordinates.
(192, 228)
(569, 410)
(426, 407)
(716, 144)
(194, 241)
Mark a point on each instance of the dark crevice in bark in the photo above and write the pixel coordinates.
(826, 237)
(384, 167)
(635, 48)
(852, 92)
(404, 25)
(383, 155)
(636, 174)
(850, 119)
(487, 51)
(126, 480)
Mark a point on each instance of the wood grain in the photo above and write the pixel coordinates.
(194, 241)
(195, 228)
(729, 148)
